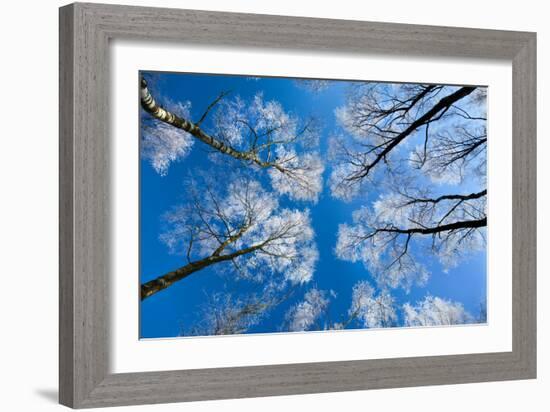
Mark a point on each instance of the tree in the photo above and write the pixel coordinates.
(373, 311)
(259, 134)
(305, 314)
(239, 229)
(366, 309)
(445, 128)
(313, 85)
(434, 311)
(226, 313)
(382, 237)
(381, 118)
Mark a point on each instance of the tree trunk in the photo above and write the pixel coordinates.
(149, 104)
(164, 281)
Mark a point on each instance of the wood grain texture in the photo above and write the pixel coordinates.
(66, 194)
(85, 31)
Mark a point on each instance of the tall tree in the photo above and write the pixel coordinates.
(435, 311)
(258, 133)
(372, 309)
(382, 119)
(389, 237)
(411, 140)
(227, 313)
(306, 314)
(240, 229)
(367, 309)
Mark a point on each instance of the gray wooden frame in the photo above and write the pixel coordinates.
(85, 31)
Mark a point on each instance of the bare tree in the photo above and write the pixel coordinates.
(381, 118)
(446, 129)
(257, 133)
(382, 237)
(435, 311)
(371, 310)
(226, 313)
(313, 85)
(306, 314)
(367, 309)
(241, 226)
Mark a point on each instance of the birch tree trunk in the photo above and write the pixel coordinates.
(150, 106)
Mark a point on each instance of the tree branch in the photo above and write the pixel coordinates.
(442, 105)
(470, 196)
(149, 104)
(211, 106)
(164, 281)
(465, 224)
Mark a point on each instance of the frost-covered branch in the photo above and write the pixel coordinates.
(389, 237)
(368, 309)
(312, 85)
(435, 311)
(372, 308)
(380, 120)
(453, 154)
(241, 225)
(258, 133)
(305, 314)
(373, 311)
(227, 313)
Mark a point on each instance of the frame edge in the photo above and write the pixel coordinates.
(66, 212)
(524, 212)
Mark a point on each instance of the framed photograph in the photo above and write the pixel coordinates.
(257, 205)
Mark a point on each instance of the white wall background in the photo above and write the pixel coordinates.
(28, 209)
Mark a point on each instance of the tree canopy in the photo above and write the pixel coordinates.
(311, 204)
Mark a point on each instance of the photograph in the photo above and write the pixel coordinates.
(276, 205)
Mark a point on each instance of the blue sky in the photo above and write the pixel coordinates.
(175, 309)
